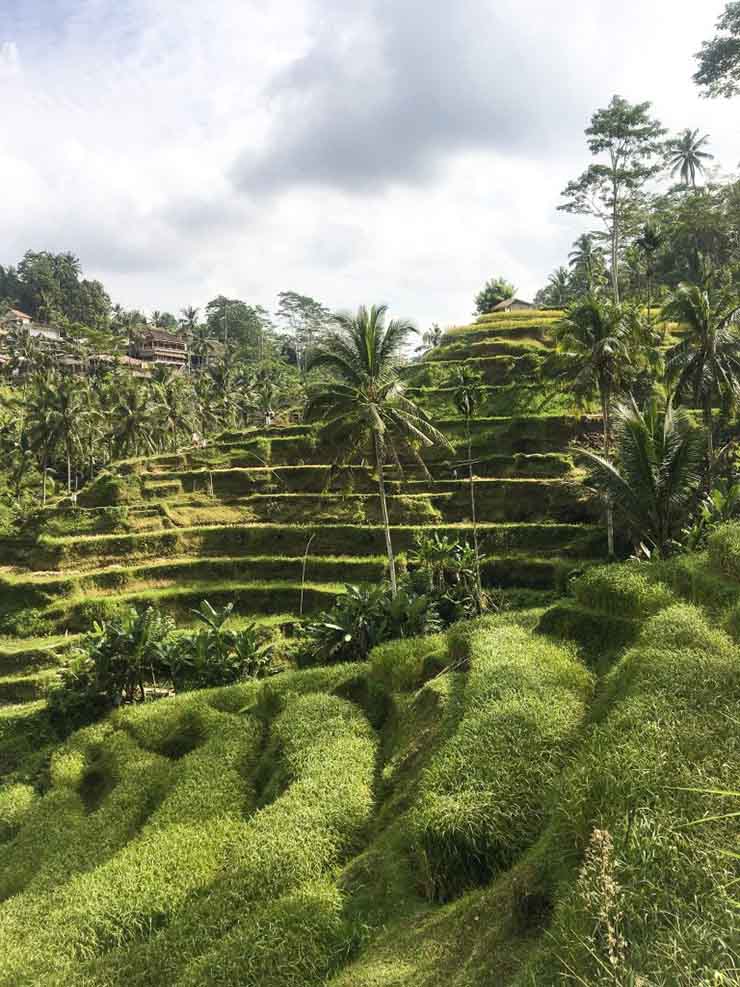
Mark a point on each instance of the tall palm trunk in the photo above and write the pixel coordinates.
(609, 508)
(384, 512)
(473, 516)
(69, 472)
(709, 427)
(615, 235)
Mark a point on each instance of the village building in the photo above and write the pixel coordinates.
(160, 346)
(512, 305)
(15, 319)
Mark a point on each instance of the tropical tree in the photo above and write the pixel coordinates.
(719, 59)
(705, 365)
(56, 415)
(594, 346)
(685, 155)
(189, 318)
(493, 292)
(655, 475)
(587, 262)
(174, 408)
(429, 339)
(133, 424)
(304, 319)
(558, 291)
(648, 243)
(611, 189)
(362, 402)
(201, 344)
(467, 387)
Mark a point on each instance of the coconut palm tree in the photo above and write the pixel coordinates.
(133, 423)
(687, 157)
(173, 408)
(56, 416)
(656, 472)
(705, 365)
(559, 290)
(648, 243)
(594, 345)
(467, 387)
(362, 400)
(587, 261)
(201, 344)
(189, 318)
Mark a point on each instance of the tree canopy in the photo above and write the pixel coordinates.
(493, 291)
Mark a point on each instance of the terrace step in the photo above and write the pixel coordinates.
(249, 598)
(24, 687)
(489, 345)
(571, 540)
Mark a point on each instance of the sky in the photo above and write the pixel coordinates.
(359, 151)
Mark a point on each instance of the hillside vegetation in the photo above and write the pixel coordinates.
(422, 816)
(539, 796)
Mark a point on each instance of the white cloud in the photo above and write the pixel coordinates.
(374, 150)
(10, 60)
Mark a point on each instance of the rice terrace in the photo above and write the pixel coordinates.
(335, 651)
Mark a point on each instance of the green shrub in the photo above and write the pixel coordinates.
(484, 796)
(215, 655)
(125, 919)
(599, 636)
(15, 804)
(366, 616)
(293, 941)
(400, 666)
(635, 790)
(724, 549)
(108, 490)
(627, 590)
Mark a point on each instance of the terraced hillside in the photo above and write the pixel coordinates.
(497, 805)
(535, 797)
(233, 522)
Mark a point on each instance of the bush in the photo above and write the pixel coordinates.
(630, 802)
(185, 900)
(627, 590)
(108, 490)
(217, 656)
(364, 617)
(724, 549)
(15, 803)
(484, 796)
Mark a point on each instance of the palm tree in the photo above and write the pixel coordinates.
(656, 474)
(594, 341)
(189, 318)
(133, 425)
(189, 323)
(648, 243)
(173, 408)
(201, 343)
(587, 260)
(467, 385)
(686, 155)
(558, 291)
(56, 415)
(431, 338)
(363, 403)
(706, 363)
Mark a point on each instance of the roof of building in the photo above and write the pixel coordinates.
(18, 314)
(47, 332)
(511, 301)
(162, 336)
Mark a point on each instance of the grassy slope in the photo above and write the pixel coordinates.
(420, 819)
(510, 803)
